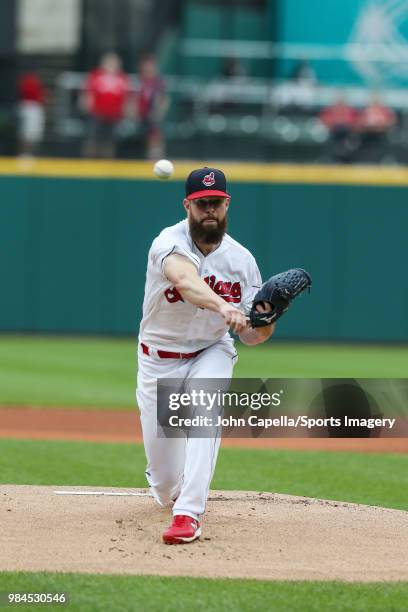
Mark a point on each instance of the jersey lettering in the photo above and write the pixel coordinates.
(229, 291)
(172, 295)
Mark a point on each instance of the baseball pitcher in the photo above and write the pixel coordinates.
(200, 284)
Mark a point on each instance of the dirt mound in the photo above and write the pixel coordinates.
(245, 535)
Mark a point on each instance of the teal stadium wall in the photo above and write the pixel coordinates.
(230, 22)
(74, 252)
(321, 26)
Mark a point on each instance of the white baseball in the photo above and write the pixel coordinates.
(163, 169)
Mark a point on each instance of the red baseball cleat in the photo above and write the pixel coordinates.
(183, 529)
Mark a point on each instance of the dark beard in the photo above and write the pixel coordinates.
(207, 235)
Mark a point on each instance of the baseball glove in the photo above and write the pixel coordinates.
(278, 291)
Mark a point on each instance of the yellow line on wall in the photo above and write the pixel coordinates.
(244, 172)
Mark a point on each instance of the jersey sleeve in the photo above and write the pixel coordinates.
(161, 249)
(253, 284)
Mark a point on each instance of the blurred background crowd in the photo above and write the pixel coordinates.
(273, 80)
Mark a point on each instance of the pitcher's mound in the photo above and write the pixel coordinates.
(245, 535)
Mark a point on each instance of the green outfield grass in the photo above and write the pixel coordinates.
(135, 593)
(101, 373)
(380, 480)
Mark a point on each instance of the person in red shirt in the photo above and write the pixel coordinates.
(31, 113)
(151, 106)
(375, 123)
(377, 117)
(104, 99)
(341, 119)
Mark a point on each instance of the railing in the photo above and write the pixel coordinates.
(274, 110)
(248, 49)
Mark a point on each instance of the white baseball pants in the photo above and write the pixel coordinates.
(180, 469)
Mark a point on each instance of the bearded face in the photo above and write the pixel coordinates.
(208, 219)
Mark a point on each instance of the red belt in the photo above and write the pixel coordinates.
(170, 354)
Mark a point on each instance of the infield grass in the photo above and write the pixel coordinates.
(374, 479)
(153, 593)
(101, 372)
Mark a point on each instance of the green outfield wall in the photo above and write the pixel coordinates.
(73, 251)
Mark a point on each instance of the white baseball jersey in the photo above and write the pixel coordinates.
(171, 324)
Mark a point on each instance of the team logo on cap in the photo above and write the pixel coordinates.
(209, 179)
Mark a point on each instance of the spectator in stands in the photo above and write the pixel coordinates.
(103, 100)
(296, 94)
(342, 120)
(31, 114)
(375, 123)
(151, 104)
(233, 68)
(303, 73)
